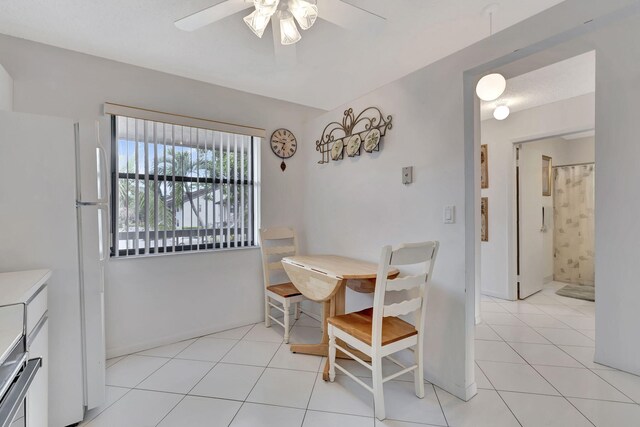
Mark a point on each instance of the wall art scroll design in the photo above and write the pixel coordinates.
(353, 134)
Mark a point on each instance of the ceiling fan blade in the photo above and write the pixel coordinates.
(348, 16)
(286, 56)
(212, 14)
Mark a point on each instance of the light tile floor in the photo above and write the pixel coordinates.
(537, 356)
(534, 367)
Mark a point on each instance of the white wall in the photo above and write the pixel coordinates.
(614, 38)
(155, 300)
(355, 206)
(617, 195)
(559, 118)
(6, 90)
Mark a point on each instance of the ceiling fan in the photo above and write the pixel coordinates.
(283, 15)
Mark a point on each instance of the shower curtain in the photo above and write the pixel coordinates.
(574, 227)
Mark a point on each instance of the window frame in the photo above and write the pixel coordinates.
(253, 185)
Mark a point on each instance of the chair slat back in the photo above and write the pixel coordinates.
(421, 259)
(275, 244)
(281, 250)
(402, 308)
(405, 283)
(412, 253)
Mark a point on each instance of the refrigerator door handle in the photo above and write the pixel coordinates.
(103, 189)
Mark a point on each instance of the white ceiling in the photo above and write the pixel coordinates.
(334, 65)
(563, 80)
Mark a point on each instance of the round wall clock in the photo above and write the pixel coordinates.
(283, 145)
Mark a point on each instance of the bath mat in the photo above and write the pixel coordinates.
(586, 292)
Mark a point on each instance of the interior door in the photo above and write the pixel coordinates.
(530, 243)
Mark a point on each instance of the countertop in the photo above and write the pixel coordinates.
(18, 286)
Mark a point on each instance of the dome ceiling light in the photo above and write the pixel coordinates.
(501, 112)
(491, 87)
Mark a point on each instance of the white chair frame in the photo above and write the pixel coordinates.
(269, 266)
(406, 254)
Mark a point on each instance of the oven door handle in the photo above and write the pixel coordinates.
(15, 395)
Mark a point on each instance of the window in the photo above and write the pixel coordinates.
(180, 188)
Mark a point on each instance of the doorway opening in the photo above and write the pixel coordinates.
(551, 124)
(530, 164)
(555, 213)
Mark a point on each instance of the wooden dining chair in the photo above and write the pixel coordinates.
(275, 244)
(377, 331)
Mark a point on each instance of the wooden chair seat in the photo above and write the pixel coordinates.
(359, 325)
(285, 290)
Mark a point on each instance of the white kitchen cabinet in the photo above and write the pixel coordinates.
(38, 395)
(30, 288)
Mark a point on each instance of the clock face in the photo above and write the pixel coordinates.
(283, 143)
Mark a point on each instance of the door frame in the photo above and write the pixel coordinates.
(512, 201)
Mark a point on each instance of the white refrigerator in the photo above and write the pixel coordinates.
(54, 213)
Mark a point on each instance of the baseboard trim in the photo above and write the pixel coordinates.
(146, 345)
(496, 295)
(461, 392)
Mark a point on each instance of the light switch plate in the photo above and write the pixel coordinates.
(449, 215)
(407, 175)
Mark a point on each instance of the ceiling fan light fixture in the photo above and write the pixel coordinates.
(266, 6)
(304, 12)
(289, 33)
(258, 21)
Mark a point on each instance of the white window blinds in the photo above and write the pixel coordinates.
(182, 188)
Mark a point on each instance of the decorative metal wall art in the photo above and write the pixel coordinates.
(355, 133)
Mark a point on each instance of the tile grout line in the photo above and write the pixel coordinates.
(620, 391)
(508, 407)
(107, 407)
(564, 397)
(207, 373)
(549, 382)
(256, 383)
(435, 391)
(132, 388)
(176, 358)
(580, 315)
(311, 395)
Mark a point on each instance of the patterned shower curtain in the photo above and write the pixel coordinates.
(574, 227)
